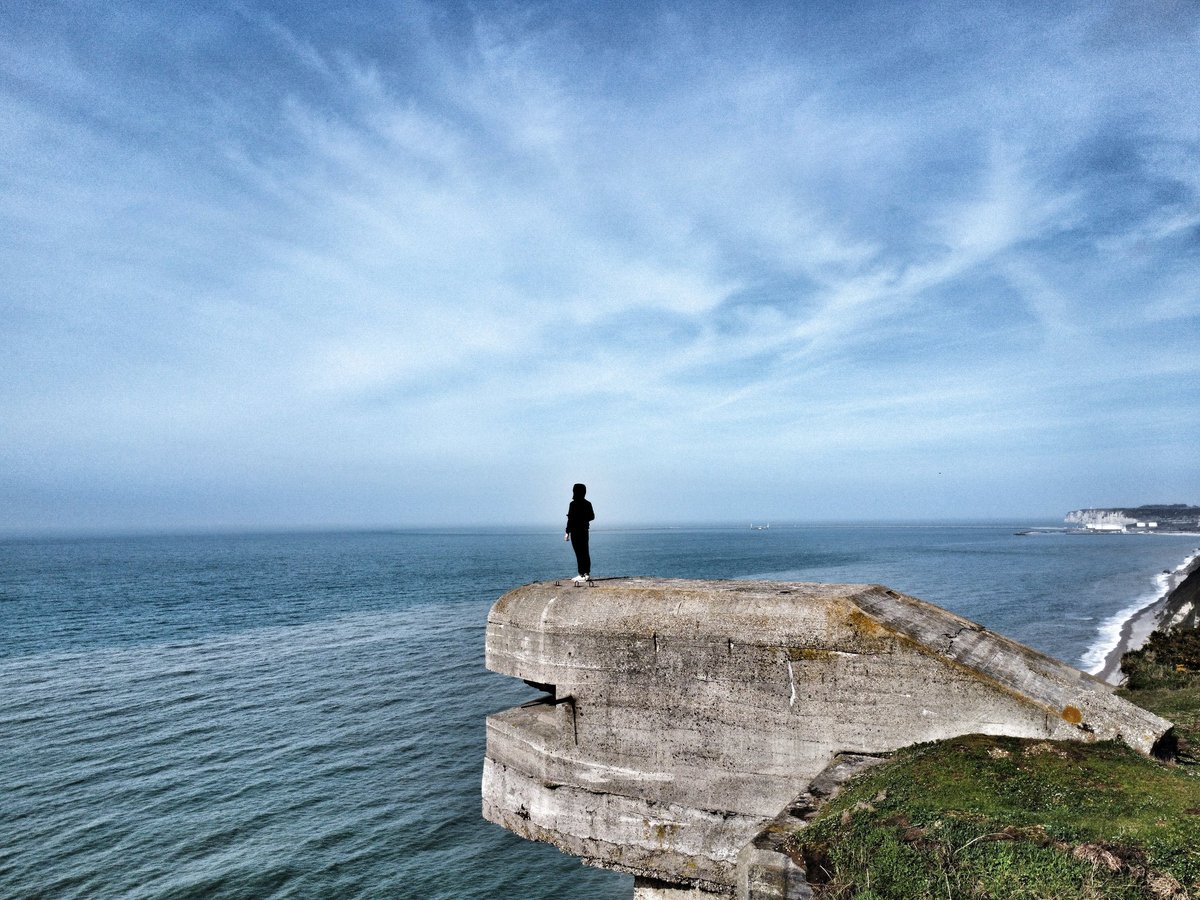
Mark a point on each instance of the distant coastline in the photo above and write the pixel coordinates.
(1148, 518)
(1177, 603)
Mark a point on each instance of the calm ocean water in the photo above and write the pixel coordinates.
(302, 714)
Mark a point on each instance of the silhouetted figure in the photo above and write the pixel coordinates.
(579, 514)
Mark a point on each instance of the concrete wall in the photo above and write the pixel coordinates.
(690, 713)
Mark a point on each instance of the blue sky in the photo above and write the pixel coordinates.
(289, 264)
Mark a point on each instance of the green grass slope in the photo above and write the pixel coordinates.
(1000, 817)
(997, 817)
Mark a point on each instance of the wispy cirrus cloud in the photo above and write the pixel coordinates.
(519, 245)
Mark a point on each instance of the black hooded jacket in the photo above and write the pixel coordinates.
(579, 513)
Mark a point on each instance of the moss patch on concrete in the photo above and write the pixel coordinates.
(1000, 817)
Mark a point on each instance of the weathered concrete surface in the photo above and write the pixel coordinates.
(650, 889)
(690, 713)
(767, 867)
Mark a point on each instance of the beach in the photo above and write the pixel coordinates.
(1177, 606)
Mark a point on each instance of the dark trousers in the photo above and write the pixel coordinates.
(579, 541)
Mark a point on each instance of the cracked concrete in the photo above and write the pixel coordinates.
(687, 714)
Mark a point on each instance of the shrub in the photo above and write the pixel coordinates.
(1169, 659)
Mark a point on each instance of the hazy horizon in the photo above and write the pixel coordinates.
(546, 527)
(276, 265)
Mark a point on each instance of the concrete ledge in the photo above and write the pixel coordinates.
(684, 715)
(652, 889)
(698, 847)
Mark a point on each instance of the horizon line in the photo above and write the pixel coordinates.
(230, 530)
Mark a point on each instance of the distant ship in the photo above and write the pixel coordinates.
(754, 527)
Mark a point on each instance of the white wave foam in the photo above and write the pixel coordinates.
(1108, 635)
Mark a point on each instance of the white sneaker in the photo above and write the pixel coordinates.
(579, 579)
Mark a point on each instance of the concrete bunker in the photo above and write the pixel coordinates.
(680, 719)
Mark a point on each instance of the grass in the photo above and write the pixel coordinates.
(1182, 707)
(999, 817)
(1164, 677)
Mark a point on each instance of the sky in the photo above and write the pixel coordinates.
(405, 264)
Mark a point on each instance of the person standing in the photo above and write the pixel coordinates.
(579, 514)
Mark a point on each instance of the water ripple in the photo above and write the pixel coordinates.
(297, 716)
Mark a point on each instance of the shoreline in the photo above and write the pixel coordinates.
(1178, 604)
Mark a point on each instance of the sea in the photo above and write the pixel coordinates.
(302, 714)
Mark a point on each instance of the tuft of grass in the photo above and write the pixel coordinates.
(997, 817)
